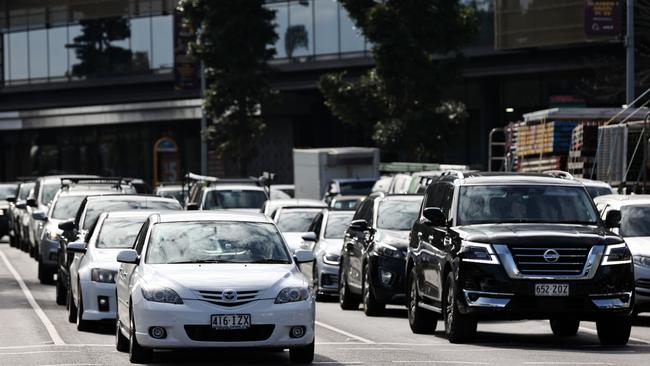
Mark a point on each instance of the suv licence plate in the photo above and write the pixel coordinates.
(231, 321)
(551, 289)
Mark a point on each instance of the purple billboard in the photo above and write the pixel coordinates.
(603, 18)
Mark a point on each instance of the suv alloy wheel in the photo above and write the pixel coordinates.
(458, 327)
(371, 307)
(347, 300)
(421, 321)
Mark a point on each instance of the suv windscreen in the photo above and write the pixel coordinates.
(66, 207)
(525, 204)
(94, 209)
(336, 225)
(49, 191)
(296, 221)
(634, 221)
(234, 198)
(216, 242)
(119, 232)
(362, 188)
(397, 215)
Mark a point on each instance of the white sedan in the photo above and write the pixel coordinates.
(213, 280)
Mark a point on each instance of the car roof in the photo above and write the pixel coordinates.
(351, 180)
(242, 187)
(402, 197)
(348, 197)
(84, 192)
(621, 200)
(133, 197)
(131, 213)
(190, 216)
(171, 187)
(340, 212)
(593, 183)
(58, 177)
(297, 202)
(513, 178)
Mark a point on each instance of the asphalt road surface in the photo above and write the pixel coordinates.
(35, 331)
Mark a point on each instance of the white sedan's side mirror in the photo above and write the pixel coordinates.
(303, 256)
(128, 256)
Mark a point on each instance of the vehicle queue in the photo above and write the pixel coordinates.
(246, 268)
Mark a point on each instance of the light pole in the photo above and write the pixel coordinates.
(629, 46)
(204, 125)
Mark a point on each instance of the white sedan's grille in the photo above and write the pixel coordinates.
(228, 297)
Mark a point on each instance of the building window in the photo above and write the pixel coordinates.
(326, 28)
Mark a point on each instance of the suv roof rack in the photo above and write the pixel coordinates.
(116, 182)
(456, 173)
(558, 174)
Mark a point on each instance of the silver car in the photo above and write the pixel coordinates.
(326, 236)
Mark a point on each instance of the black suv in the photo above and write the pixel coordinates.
(516, 247)
(374, 252)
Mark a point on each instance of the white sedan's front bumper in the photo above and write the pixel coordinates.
(91, 292)
(193, 317)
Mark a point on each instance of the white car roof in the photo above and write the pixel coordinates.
(192, 216)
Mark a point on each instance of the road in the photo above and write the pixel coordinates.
(35, 331)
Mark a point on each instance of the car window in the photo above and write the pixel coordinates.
(234, 198)
(141, 237)
(336, 225)
(216, 242)
(49, 191)
(521, 203)
(397, 214)
(119, 232)
(23, 193)
(296, 220)
(346, 204)
(66, 207)
(7, 191)
(356, 188)
(599, 191)
(94, 209)
(635, 221)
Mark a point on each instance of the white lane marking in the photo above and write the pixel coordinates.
(34, 352)
(337, 363)
(60, 345)
(594, 331)
(374, 349)
(74, 364)
(567, 363)
(447, 362)
(342, 332)
(56, 338)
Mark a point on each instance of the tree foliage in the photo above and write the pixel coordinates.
(233, 42)
(416, 48)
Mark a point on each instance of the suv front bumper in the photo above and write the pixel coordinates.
(488, 292)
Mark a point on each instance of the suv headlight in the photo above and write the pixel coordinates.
(387, 250)
(292, 294)
(642, 261)
(617, 254)
(331, 259)
(102, 275)
(161, 294)
(478, 253)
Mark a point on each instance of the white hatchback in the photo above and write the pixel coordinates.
(212, 280)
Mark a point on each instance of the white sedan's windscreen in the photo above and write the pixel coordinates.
(216, 242)
(119, 232)
(296, 221)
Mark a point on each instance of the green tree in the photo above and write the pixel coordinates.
(416, 48)
(234, 42)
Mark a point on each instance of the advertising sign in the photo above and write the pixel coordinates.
(603, 18)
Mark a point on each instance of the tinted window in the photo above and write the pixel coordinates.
(336, 225)
(49, 191)
(635, 221)
(225, 199)
(119, 233)
(346, 204)
(397, 215)
(295, 221)
(7, 191)
(218, 242)
(177, 195)
(66, 207)
(94, 209)
(599, 191)
(518, 203)
(356, 188)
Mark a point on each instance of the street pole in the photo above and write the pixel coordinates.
(204, 125)
(629, 45)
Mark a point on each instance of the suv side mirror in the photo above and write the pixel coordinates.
(67, 225)
(310, 236)
(435, 216)
(31, 202)
(359, 225)
(11, 199)
(613, 219)
(77, 247)
(192, 206)
(128, 256)
(39, 215)
(21, 205)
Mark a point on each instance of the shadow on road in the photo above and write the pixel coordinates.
(230, 357)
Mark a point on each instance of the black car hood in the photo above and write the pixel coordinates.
(536, 234)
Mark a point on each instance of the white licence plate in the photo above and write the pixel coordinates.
(551, 289)
(231, 321)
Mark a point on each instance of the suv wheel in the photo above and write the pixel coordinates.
(121, 342)
(137, 353)
(458, 327)
(565, 327)
(347, 300)
(371, 307)
(72, 308)
(61, 295)
(421, 321)
(45, 276)
(614, 331)
(314, 283)
(302, 355)
(82, 325)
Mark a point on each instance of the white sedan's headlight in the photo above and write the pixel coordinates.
(103, 275)
(642, 261)
(292, 294)
(161, 294)
(478, 253)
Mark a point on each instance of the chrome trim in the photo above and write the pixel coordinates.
(588, 272)
(426, 306)
(487, 299)
(614, 301)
